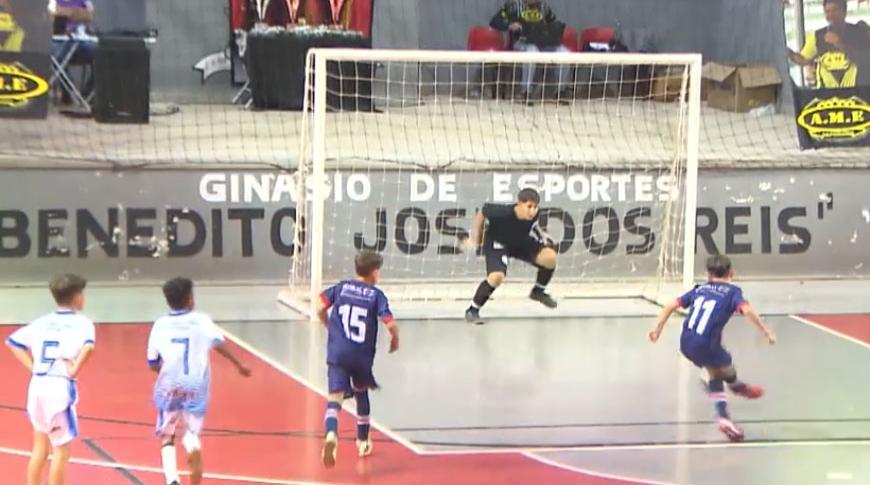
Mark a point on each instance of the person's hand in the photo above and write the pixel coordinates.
(654, 335)
(394, 344)
(771, 338)
(515, 27)
(468, 244)
(832, 38)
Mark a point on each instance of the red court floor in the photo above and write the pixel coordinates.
(263, 429)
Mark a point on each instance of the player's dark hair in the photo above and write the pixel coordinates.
(177, 292)
(529, 194)
(366, 262)
(718, 265)
(64, 287)
(840, 3)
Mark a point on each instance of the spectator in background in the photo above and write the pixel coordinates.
(11, 32)
(840, 51)
(73, 17)
(532, 27)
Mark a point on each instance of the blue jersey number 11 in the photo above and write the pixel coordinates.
(705, 308)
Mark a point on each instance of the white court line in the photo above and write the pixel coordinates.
(150, 469)
(584, 471)
(653, 447)
(829, 330)
(292, 375)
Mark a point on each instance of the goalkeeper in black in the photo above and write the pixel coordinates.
(512, 231)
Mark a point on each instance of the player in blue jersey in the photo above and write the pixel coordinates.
(178, 350)
(710, 307)
(54, 348)
(352, 326)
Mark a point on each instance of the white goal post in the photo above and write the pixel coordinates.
(400, 148)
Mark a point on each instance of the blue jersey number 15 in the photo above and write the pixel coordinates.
(353, 319)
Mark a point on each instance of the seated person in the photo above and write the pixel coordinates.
(841, 51)
(11, 33)
(73, 17)
(533, 28)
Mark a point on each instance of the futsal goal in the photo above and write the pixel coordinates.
(400, 148)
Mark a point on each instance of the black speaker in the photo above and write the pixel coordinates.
(122, 71)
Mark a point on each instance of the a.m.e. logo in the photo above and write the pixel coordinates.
(836, 119)
(19, 85)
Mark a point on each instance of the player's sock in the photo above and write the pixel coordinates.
(484, 291)
(363, 408)
(544, 277)
(332, 409)
(716, 391)
(170, 467)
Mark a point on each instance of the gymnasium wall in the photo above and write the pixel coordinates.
(238, 226)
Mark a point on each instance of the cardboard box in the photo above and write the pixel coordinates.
(740, 87)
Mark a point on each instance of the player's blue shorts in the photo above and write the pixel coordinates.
(349, 378)
(704, 353)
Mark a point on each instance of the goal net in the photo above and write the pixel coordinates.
(401, 148)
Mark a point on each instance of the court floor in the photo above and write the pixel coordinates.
(570, 399)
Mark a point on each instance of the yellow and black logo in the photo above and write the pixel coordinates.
(19, 85)
(836, 119)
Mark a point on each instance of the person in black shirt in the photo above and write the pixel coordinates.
(532, 27)
(512, 232)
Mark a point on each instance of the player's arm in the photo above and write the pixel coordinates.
(222, 349)
(664, 315)
(753, 317)
(393, 328)
(323, 312)
(386, 315)
(74, 367)
(475, 233)
(19, 343)
(21, 353)
(327, 298)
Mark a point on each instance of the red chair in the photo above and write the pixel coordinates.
(483, 38)
(598, 35)
(570, 39)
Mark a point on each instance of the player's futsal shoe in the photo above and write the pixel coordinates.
(749, 392)
(729, 429)
(364, 447)
(472, 315)
(330, 449)
(542, 297)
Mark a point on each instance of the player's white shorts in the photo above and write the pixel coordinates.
(171, 423)
(51, 408)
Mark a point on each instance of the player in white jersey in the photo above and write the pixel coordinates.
(178, 350)
(54, 348)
